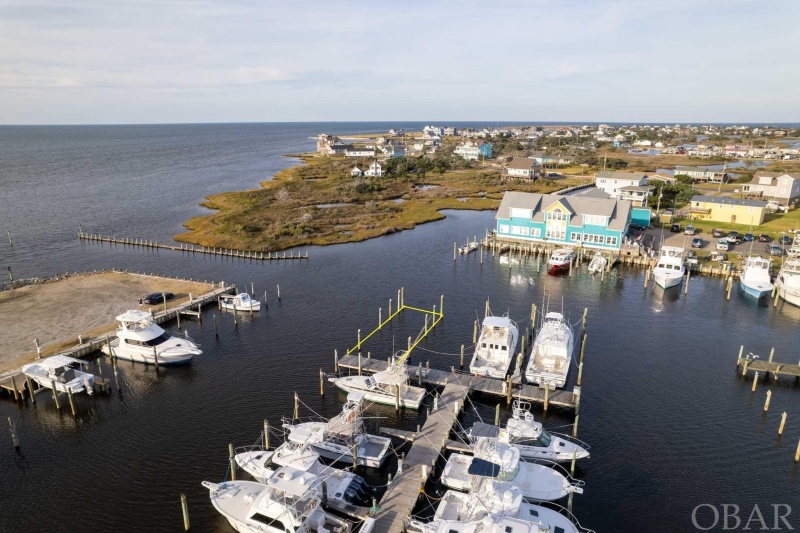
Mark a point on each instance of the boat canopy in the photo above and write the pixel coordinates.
(498, 321)
(483, 468)
(394, 375)
(479, 429)
(58, 361)
(133, 316)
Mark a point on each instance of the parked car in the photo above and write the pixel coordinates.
(785, 239)
(636, 227)
(774, 249)
(697, 242)
(764, 238)
(689, 230)
(748, 237)
(676, 228)
(723, 244)
(732, 234)
(717, 233)
(157, 297)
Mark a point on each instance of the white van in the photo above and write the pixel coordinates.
(723, 244)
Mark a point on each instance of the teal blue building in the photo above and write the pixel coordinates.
(596, 223)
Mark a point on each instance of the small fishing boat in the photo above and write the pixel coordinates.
(468, 248)
(670, 268)
(494, 351)
(754, 279)
(240, 302)
(62, 373)
(560, 260)
(345, 490)
(290, 501)
(139, 339)
(342, 436)
(523, 432)
(598, 263)
(387, 386)
(499, 463)
(788, 281)
(551, 352)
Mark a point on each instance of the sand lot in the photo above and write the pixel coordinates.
(57, 312)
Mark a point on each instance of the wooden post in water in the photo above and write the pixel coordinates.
(462, 356)
(359, 362)
(38, 348)
(164, 299)
(359, 340)
(441, 306)
(497, 415)
(730, 284)
(55, 394)
(783, 422)
(508, 390)
(336, 361)
(296, 406)
(266, 434)
(646, 277)
(686, 285)
(178, 317)
(155, 356)
(797, 453)
(755, 382)
(766, 403)
(397, 397)
(30, 389)
(14, 387)
(71, 402)
(380, 318)
(475, 333)
(14, 438)
(321, 383)
(185, 510)
(575, 427)
(279, 292)
(771, 354)
(580, 373)
(232, 461)
(235, 319)
(419, 374)
(454, 251)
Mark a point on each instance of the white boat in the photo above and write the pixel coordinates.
(670, 268)
(788, 281)
(530, 437)
(560, 260)
(382, 387)
(755, 280)
(494, 352)
(138, 337)
(496, 512)
(468, 248)
(345, 491)
(499, 465)
(551, 352)
(60, 372)
(240, 302)
(598, 263)
(342, 436)
(290, 502)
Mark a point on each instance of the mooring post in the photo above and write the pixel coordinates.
(321, 383)
(730, 285)
(232, 461)
(686, 286)
(583, 346)
(646, 277)
(497, 415)
(419, 374)
(336, 361)
(462, 356)
(783, 422)
(454, 251)
(580, 373)
(178, 317)
(380, 318)
(397, 397)
(71, 402)
(741, 350)
(266, 304)
(766, 403)
(575, 427)
(755, 382)
(185, 511)
(546, 396)
(279, 292)
(508, 391)
(296, 406)
(354, 452)
(155, 356)
(38, 348)
(235, 319)
(14, 387)
(164, 299)
(771, 354)
(55, 394)
(30, 389)
(359, 362)
(797, 453)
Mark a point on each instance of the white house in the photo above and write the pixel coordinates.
(393, 150)
(374, 170)
(474, 150)
(624, 185)
(356, 172)
(702, 173)
(359, 152)
(522, 168)
(778, 186)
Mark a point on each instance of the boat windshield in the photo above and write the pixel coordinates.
(151, 342)
(371, 383)
(543, 440)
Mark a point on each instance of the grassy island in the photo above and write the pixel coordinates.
(319, 202)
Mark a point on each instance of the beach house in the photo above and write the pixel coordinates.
(780, 187)
(474, 150)
(707, 174)
(725, 209)
(522, 168)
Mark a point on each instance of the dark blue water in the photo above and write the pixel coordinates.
(670, 423)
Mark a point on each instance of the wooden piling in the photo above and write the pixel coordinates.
(279, 292)
(533, 318)
(266, 434)
(359, 362)
(766, 403)
(783, 423)
(296, 406)
(509, 389)
(14, 386)
(116, 374)
(730, 284)
(497, 415)
(475, 333)
(454, 251)
(30, 389)
(71, 402)
(232, 461)
(580, 373)
(185, 511)
(336, 361)
(321, 383)
(55, 394)
(155, 356)
(575, 427)
(755, 382)
(646, 277)
(397, 397)
(546, 396)
(771, 354)
(797, 453)
(462, 356)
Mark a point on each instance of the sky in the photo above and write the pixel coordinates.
(175, 61)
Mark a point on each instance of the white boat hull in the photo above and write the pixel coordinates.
(341, 454)
(410, 397)
(665, 281)
(255, 305)
(139, 357)
(556, 452)
(791, 297)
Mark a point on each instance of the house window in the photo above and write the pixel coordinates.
(594, 220)
(557, 215)
(556, 234)
(536, 232)
(504, 228)
(611, 241)
(575, 237)
(519, 230)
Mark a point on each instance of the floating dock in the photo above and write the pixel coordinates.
(767, 366)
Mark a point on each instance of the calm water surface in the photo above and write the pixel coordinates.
(670, 423)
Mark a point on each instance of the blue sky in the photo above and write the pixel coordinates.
(153, 61)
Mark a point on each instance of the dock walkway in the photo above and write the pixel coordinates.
(486, 385)
(404, 491)
(767, 366)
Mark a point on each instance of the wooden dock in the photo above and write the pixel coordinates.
(192, 249)
(486, 385)
(411, 436)
(402, 494)
(766, 366)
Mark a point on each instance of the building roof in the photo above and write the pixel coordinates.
(593, 192)
(773, 175)
(618, 211)
(342, 147)
(728, 201)
(635, 188)
(684, 168)
(523, 163)
(615, 175)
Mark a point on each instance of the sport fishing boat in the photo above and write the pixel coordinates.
(345, 491)
(499, 464)
(560, 260)
(496, 512)
(61, 373)
(551, 352)
(139, 338)
(670, 268)
(754, 279)
(290, 501)
(468, 248)
(788, 281)
(387, 386)
(530, 437)
(240, 302)
(598, 263)
(494, 351)
(342, 436)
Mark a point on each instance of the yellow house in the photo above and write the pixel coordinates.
(729, 210)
